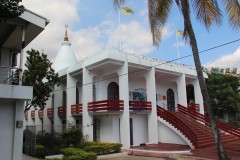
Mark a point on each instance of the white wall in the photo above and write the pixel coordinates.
(109, 128)
(6, 129)
(140, 129)
(166, 135)
(162, 90)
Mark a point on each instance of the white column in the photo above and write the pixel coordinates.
(151, 96)
(198, 95)
(181, 87)
(124, 95)
(46, 120)
(87, 97)
(71, 97)
(18, 132)
(58, 95)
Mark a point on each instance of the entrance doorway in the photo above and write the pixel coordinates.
(170, 100)
(113, 91)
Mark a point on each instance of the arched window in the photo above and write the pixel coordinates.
(52, 100)
(64, 98)
(190, 93)
(94, 92)
(77, 95)
(170, 100)
(113, 91)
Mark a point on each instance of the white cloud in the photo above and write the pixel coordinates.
(135, 38)
(230, 60)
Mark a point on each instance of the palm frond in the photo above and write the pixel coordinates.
(208, 12)
(158, 11)
(233, 10)
(117, 3)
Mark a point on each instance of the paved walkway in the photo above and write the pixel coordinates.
(26, 157)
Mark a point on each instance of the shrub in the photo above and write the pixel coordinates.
(72, 136)
(102, 148)
(53, 159)
(52, 141)
(41, 151)
(77, 154)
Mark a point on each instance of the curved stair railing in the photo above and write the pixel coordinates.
(202, 118)
(179, 124)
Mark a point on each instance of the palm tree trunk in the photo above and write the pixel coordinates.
(222, 155)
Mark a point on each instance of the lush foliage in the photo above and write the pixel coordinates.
(72, 136)
(77, 154)
(224, 93)
(52, 141)
(10, 9)
(102, 148)
(41, 76)
(41, 151)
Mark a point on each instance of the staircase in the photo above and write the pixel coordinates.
(196, 127)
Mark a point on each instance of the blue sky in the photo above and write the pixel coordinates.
(93, 27)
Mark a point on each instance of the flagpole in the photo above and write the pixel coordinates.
(119, 26)
(178, 50)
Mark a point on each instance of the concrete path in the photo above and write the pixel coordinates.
(26, 157)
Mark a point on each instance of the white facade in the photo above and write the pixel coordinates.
(14, 33)
(113, 79)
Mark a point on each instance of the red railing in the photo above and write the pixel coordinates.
(140, 105)
(222, 126)
(26, 115)
(62, 111)
(193, 108)
(178, 123)
(33, 114)
(106, 105)
(40, 113)
(50, 112)
(76, 109)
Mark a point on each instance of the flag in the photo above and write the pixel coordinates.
(127, 10)
(179, 33)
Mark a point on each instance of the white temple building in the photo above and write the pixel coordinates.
(118, 97)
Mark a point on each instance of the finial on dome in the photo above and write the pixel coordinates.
(66, 34)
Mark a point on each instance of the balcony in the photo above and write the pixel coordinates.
(33, 114)
(40, 114)
(109, 106)
(140, 106)
(50, 112)
(62, 111)
(76, 109)
(26, 115)
(193, 108)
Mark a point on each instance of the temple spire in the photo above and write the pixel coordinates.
(66, 34)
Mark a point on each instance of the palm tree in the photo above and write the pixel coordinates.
(208, 13)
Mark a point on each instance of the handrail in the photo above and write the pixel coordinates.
(76, 109)
(50, 112)
(140, 105)
(62, 111)
(106, 105)
(197, 116)
(178, 123)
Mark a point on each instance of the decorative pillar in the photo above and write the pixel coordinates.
(18, 131)
(87, 97)
(151, 96)
(58, 96)
(181, 87)
(124, 95)
(71, 97)
(198, 95)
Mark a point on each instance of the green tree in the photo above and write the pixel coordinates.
(224, 93)
(41, 76)
(10, 9)
(207, 12)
